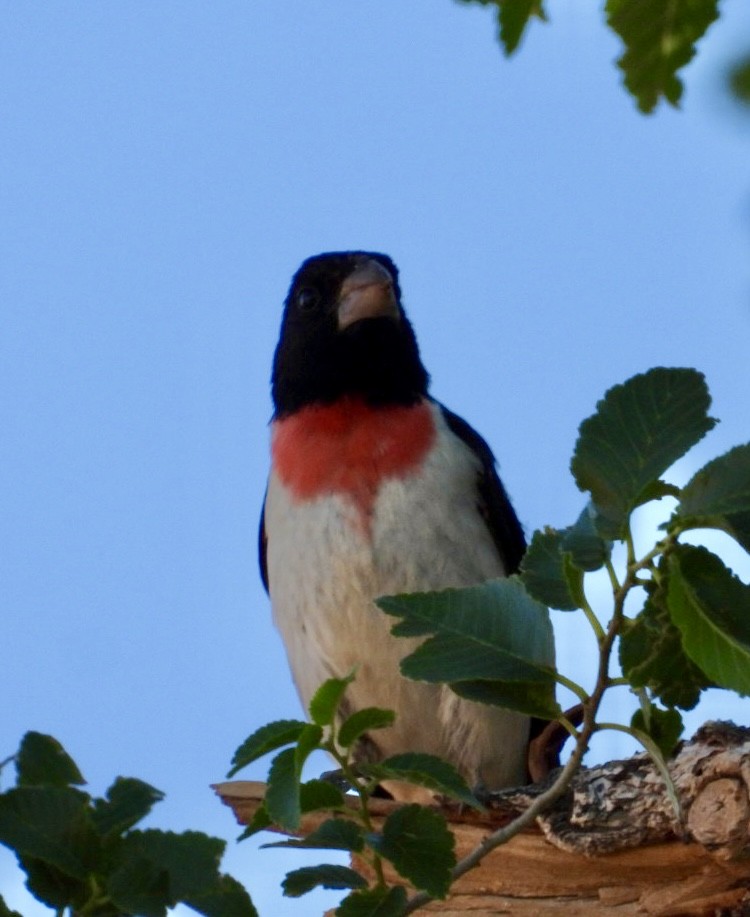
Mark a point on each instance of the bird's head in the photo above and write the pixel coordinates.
(345, 333)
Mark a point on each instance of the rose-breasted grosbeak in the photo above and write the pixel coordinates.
(376, 489)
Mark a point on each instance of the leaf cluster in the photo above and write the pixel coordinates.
(85, 854)
(659, 40)
(492, 643)
(415, 840)
(693, 631)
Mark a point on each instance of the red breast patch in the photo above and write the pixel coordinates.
(349, 448)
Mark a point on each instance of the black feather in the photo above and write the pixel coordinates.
(315, 362)
(492, 500)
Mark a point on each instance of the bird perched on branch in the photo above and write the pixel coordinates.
(377, 489)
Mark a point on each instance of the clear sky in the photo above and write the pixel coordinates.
(164, 168)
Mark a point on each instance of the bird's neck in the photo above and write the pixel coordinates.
(349, 448)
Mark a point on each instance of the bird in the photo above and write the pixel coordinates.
(376, 489)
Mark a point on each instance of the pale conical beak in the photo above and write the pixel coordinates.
(367, 293)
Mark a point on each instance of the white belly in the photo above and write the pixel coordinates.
(326, 564)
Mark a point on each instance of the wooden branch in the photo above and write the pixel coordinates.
(612, 846)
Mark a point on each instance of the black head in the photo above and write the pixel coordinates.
(345, 332)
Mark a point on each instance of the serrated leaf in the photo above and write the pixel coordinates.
(128, 801)
(52, 886)
(374, 902)
(418, 843)
(494, 632)
(333, 834)
(325, 702)
(52, 824)
(543, 570)
(42, 761)
(299, 882)
(227, 898)
(424, 770)
(282, 795)
(137, 885)
(259, 822)
(362, 721)
(652, 656)
(308, 742)
(718, 496)
(498, 614)
(588, 550)
(530, 698)
(659, 39)
(314, 795)
(664, 727)
(513, 18)
(711, 608)
(640, 428)
(161, 868)
(264, 740)
(320, 794)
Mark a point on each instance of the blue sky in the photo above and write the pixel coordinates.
(164, 168)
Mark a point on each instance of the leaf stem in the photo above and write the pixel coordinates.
(595, 623)
(363, 794)
(548, 797)
(572, 686)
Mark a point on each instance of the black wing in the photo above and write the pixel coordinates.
(263, 546)
(493, 502)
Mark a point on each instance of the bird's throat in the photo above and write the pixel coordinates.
(350, 448)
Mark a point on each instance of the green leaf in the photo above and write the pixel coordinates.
(333, 834)
(158, 868)
(513, 17)
(494, 632)
(363, 721)
(664, 727)
(711, 607)
(739, 80)
(267, 738)
(325, 702)
(226, 898)
(52, 824)
(52, 886)
(259, 822)
(418, 843)
(652, 656)
(282, 795)
(320, 794)
(640, 428)
(5, 911)
(529, 698)
(374, 902)
(307, 743)
(424, 770)
(659, 39)
(128, 801)
(301, 881)
(718, 496)
(543, 570)
(42, 760)
(588, 550)
(314, 795)
(137, 885)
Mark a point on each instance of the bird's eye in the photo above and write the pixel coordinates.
(307, 299)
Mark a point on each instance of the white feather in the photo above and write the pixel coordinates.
(324, 571)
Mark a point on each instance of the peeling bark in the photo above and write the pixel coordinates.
(612, 845)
